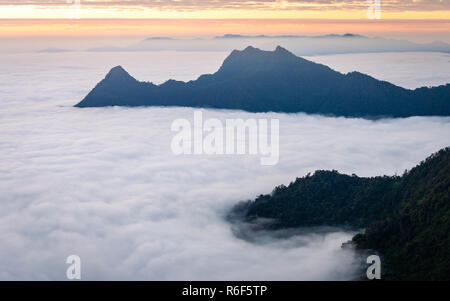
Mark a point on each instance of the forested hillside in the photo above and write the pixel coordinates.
(407, 218)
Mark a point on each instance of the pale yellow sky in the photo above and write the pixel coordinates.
(195, 17)
(216, 9)
(211, 27)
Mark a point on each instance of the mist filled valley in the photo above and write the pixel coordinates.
(103, 183)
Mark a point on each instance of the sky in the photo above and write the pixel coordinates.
(102, 183)
(211, 17)
(211, 9)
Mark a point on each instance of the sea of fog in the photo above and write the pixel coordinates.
(103, 184)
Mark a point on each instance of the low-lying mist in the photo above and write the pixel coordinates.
(103, 184)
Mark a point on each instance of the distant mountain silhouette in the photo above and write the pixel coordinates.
(159, 38)
(240, 36)
(53, 50)
(260, 81)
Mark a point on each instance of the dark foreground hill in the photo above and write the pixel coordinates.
(407, 218)
(260, 81)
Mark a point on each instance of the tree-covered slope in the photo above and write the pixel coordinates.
(278, 81)
(415, 239)
(407, 218)
(327, 198)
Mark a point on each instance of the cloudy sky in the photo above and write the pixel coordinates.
(336, 9)
(255, 5)
(210, 17)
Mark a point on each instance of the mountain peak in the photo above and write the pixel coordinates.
(118, 70)
(118, 74)
(281, 50)
(251, 49)
(250, 57)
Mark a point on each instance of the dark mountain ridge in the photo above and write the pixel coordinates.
(407, 218)
(261, 81)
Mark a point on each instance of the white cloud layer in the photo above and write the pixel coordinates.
(102, 183)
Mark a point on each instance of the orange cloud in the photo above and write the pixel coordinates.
(321, 9)
(210, 27)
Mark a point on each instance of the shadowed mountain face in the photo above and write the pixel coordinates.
(407, 218)
(260, 81)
